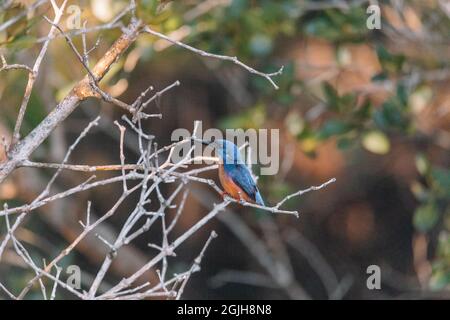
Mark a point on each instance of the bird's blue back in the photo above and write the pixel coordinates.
(236, 169)
(242, 177)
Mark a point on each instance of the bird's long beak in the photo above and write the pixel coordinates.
(204, 142)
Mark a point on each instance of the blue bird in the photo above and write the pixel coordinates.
(234, 175)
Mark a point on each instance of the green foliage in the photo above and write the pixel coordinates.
(441, 181)
(393, 114)
(440, 278)
(245, 28)
(334, 127)
(336, 25)
(426, 216)
(435, 207)
(391, 63)
(252, 118)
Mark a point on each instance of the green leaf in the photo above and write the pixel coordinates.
(422, 164)
(260, 45)
(345, 143)
(425, 217)
(383, 54)
(363, 112)
(390, 62)
(441, 180)
(443, 250)
(331, 96)
(390, 116)
(402, 94)
(322, 27)
(379, 77)
(335, 24)
(237, 7)
(346, 103)
(334, 127)
(440, 280)
(377, 142)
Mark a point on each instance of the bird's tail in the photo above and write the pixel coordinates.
(259, 199)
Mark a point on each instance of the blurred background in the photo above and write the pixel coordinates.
(369, 107)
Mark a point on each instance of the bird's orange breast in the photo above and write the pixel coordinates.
(232, 188)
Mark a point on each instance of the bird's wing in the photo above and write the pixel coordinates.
(243, 178)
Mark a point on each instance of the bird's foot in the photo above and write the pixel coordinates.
(241, 200)
(224, 195)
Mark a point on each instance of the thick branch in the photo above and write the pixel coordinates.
(82, 90)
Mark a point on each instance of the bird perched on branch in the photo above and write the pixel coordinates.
(234, 175)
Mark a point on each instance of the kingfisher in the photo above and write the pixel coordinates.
(234, 175)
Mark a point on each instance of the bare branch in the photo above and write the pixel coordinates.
(301, 192)
(6, 66)
(196, 265)
(23, 149)
(202, 53)
(33, 75)
(13, 297)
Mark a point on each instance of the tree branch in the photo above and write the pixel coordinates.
(82, 90)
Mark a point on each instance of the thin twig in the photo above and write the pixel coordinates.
(202, 53)
(196, 265)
